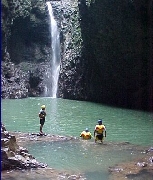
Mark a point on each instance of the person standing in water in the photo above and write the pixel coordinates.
(42, 115)
(86, 134)
(99, 130)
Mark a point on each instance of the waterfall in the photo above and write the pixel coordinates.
(55, 60)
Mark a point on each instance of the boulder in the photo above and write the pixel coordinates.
(15, 156)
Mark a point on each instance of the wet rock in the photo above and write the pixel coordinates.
(115, 169)
(151, 160)
(12, 143)
(73, 177)
(141, 164)
(41, 165)
(11, 154)
(149, 150)
(4, 154)
(15, 156)
(3, 128)
(4, 142)
(22, 151)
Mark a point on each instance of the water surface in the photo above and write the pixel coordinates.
(68, 117)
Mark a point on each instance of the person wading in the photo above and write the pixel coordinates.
(99, 130)
(42, 115)
(85, 134)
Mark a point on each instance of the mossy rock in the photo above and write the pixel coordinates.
(5, 3)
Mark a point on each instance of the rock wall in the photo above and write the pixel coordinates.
(27, 48)
(72, 65)
(22, 55)
(118, 52)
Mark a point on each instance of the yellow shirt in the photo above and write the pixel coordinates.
(85, 135)
(99, 129)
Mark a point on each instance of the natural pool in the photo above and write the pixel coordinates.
(67, 117)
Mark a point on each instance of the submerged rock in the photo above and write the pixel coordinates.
(140, 168)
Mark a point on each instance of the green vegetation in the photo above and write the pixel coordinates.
(5, 3)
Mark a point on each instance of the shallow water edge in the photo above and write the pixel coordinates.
(140, 167)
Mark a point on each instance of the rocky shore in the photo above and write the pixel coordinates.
(17, 163)
(138, 169)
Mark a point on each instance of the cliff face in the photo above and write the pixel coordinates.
(105, 50)
(118, 52)
(27, 48)
(22, 54)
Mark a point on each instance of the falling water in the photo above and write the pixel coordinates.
(55, 60)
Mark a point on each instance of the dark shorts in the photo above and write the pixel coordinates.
(99, 136)
(42, 121)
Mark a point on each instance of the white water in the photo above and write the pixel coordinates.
(53, 74)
